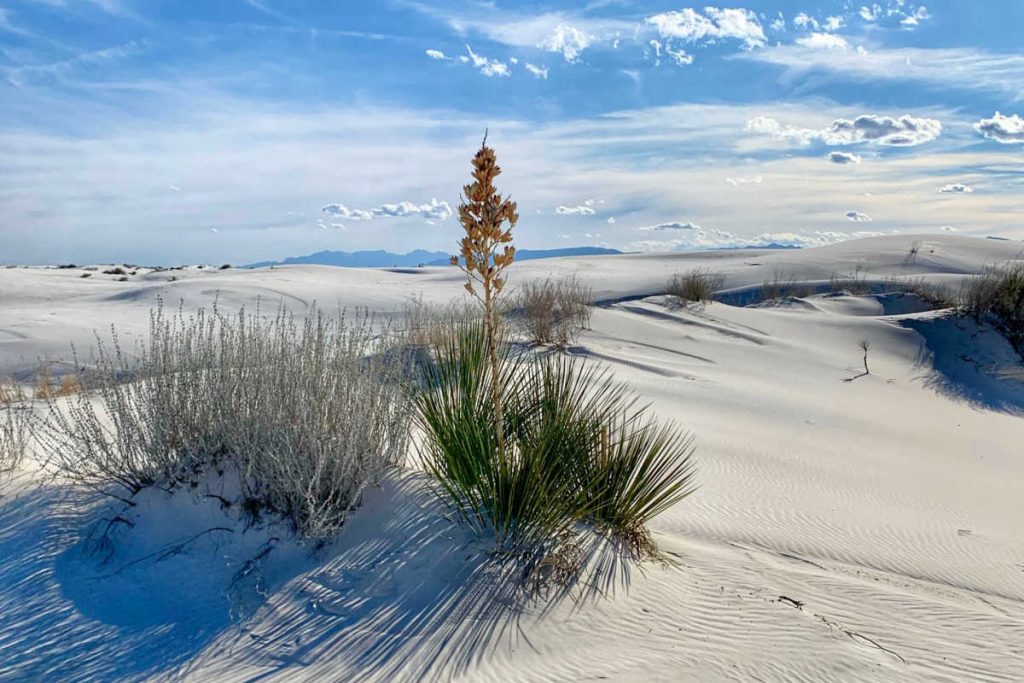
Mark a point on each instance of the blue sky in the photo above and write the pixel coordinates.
(155, 131)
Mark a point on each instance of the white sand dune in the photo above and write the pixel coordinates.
(852, 531)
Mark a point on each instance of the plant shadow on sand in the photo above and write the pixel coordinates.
(969, 362)
(43, 635)
(409, 591)
(404, 588)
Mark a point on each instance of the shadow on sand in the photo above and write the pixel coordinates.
(412, 594)
(969, 362)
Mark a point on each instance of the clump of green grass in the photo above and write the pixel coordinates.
(696, 286)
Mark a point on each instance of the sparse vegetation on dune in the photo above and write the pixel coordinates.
(308, 412)
(696, 286)
(552, 311)
(996, 295)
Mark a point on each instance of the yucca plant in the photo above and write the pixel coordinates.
(578, 450)
(483, 214)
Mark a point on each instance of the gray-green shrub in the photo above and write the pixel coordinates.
(552, 311)
(309, 412)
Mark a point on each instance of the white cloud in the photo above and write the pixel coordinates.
(436, 54)
(956, 188)
(568, 40)
(488, 67)
(833, 23)
(1005, 129)
(843, 158)
(858, 217)
(583, 210)
(661, 227)
(745, 180)
(690, 26)
(905, 131)
(948, 228)
(823, 41)
(592, 235)
(611, 220)
(805, 21)
(434, 211)
(538, 71)
(871, 13)
(911, 20)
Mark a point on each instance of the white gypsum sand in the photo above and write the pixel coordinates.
(864, 530)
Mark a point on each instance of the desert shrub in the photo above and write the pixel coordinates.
(997, 295)
(425, 325)
(14, 435)
(696, 286)
(552, 311)
(781, 286)
(116, 270)
(577, 450)
(935, 295)
(856, 283)
(307, 412)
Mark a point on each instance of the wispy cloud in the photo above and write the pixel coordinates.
(961, 68)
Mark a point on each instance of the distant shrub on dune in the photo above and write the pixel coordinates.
(552, 311)
(696, 286)
(782, 286)
(996, 295)
(307, 412)
(855, 283)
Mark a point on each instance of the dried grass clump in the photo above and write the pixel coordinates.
(308, 412)
(856, 283)
(996, 295)
(552, 311)
(783, 286)
(696, 286)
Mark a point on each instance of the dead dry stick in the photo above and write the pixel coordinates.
(865, 346)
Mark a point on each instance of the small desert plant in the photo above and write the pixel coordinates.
(307, 412)
(997, 295)
(11, 392)
(552, 311)
(911, 257)
(116, 270)
(696, 286)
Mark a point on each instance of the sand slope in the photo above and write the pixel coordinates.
(866, 530)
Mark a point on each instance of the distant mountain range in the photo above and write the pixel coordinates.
(419, 257)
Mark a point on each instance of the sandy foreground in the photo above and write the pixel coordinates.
(851, 531)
